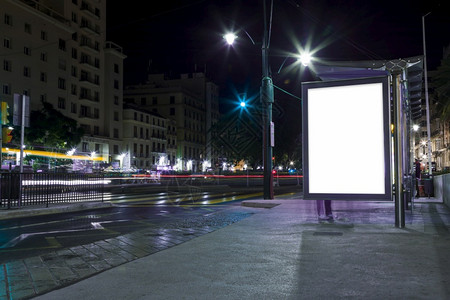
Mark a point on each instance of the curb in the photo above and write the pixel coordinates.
(69, 207)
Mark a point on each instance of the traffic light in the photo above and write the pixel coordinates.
(7, 134)
(5, 113)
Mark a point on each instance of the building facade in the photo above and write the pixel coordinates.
(192, 102)
(56, 51)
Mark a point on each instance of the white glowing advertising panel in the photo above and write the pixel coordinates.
(346, 139)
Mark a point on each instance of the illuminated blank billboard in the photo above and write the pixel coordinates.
(346, 139)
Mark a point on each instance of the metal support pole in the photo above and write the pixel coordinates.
(430, 168)
(267, 100)
(398, 152)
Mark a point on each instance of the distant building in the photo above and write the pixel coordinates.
(192, 101)
(439, 130)
(145, 138)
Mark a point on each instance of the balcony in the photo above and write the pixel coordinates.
(47, 11)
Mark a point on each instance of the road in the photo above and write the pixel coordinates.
(135, 207)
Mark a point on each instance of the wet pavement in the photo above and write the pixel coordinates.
(26, 278)
(263, 249)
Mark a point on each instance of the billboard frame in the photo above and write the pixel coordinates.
(385, 183)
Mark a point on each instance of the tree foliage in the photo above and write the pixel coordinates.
(50, 128)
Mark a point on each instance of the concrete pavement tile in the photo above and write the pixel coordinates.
(117, 250)
(63, 275)
(40, 273)
(43, 286)
(15, 268)
(34, 261)
(137, 252)
(22, 293)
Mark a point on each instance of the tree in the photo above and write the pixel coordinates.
(50, 128)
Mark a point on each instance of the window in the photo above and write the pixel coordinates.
(7, 65)
(85, 147)
(172, 99)
(96, 130)
(7, 43)
(116, 68)
(74, 17)
(26, 72)
(96, 113)
(27, 50)
(44, 35)
(73, 89)
(8, 20)
(43, 77)
(44, 56)
(28, 28)
(116, 84)
(73, 108)
(62, 83)
(62, 45)
(84, 111)
(135, 132)
(116, 100)
(155, 100)
(61, 103)
(74, 53)
(172, 111)
(73, 71)
(116, 133)
(143, 101)
(6, 89)
(116, 116)
(116, 149)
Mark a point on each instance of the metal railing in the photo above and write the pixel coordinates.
(25, 189)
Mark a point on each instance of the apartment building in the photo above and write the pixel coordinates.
(191, 101)
(145, 138)
(56, 51)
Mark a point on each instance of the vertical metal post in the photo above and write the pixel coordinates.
(398, 152)
(430, 168)
(267, 100)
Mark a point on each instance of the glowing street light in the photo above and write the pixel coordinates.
(230, 38)
(305, 59)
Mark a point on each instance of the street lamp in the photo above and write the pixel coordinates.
(267, 100)
(266, 93)
(426, 95)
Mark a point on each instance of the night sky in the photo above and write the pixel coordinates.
(186, 36)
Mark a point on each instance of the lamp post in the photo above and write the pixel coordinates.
(426, 96)
(267, 100)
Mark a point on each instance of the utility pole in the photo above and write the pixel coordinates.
(267, 100)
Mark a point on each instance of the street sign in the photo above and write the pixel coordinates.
(18, 110)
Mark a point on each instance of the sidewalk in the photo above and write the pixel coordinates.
(284, 252)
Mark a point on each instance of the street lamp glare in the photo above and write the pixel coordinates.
(242, 104)
(415, 127)
(230, 38)
(305, 59)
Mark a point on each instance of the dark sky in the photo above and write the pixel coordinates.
(185, 36)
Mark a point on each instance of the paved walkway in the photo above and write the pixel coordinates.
(282, 252)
